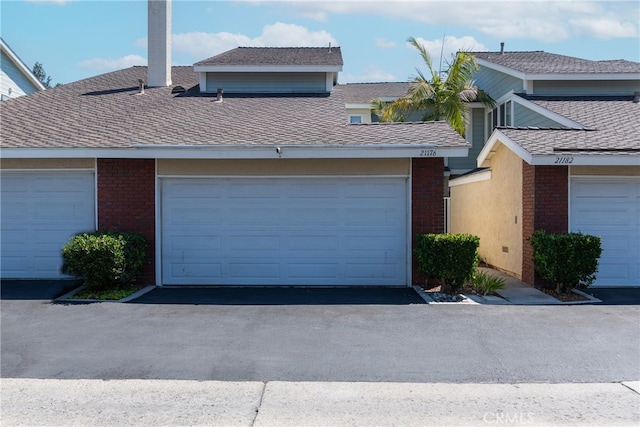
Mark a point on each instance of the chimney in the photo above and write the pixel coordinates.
(501, 48)
(159, 43)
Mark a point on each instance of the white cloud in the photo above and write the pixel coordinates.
(200, 45)
(451, 45)
(384, 44)
(204, 45)
(371, 73)
(58, 2)
(283, 35)
(604, 28)
(104, 65)
(543, 20)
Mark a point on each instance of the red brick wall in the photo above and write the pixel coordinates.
(545, 199)
(126, 202)
(427, 193)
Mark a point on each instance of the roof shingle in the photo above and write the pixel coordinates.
(106, 111)
(364, 93)
(257, 56)
(611, 126)
(540, 62)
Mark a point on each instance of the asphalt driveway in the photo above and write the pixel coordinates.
(457, 343)
(280, 296)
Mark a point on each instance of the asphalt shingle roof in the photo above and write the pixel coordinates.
(256, 56)
(540, 62)
(363, 93)
(611, 125)
(106, 111)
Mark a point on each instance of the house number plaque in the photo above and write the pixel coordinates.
(428, 153)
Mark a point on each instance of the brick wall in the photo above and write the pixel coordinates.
(126, 202)
(427, 193)
(545, 199)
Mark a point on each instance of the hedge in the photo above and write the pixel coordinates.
(105, 259)
(450, 258)
(566, 259)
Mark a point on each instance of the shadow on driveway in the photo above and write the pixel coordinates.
(35, 289)
(279, 296)
(616, 296)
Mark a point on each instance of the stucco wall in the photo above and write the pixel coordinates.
(492, 210)
(605, 170)
(285, 167)
(47, 164)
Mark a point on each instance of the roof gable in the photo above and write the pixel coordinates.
(609, 134)
(20, 66)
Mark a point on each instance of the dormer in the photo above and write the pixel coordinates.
(549, 74)
(270, 70)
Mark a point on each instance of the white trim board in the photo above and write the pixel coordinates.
(225, 152)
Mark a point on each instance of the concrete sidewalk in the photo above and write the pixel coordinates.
(517, 292)
(171, 402)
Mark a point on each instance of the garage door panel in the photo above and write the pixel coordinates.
(191, 272)
(254, 270)
(321, 271)
(311, 217)
(371, 270)
(313, 243)
(609, 207)
(40, 212)
(194, 242)
(286, 235)
(617, 271)
(254, 242)
(592, 218)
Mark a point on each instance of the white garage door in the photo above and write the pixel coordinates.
(315, 231)
(40, 212)
(610, 208)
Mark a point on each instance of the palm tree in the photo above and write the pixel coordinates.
(442, 96)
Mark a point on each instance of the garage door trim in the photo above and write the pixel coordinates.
(164, 177)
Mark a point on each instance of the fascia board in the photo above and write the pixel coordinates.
(585, 76)
(357, 106)
(501, 68)
(227, 152)
(484, 175)
(496, 138)
(21, 65)
(557, 76)
(266, 68)
(586, 160)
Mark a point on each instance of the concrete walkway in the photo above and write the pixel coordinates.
(519, 293)
(29, 402)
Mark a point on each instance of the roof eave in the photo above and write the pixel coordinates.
(266, 68)
(21, 65)
(234, 152)
(556, 76)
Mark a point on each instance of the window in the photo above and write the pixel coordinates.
(500, 116)
(355, 119)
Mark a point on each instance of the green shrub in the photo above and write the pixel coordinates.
(485, 284)
(450, 258)
(105, 259)
(567, 260)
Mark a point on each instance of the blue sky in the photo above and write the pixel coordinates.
(75, 39)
